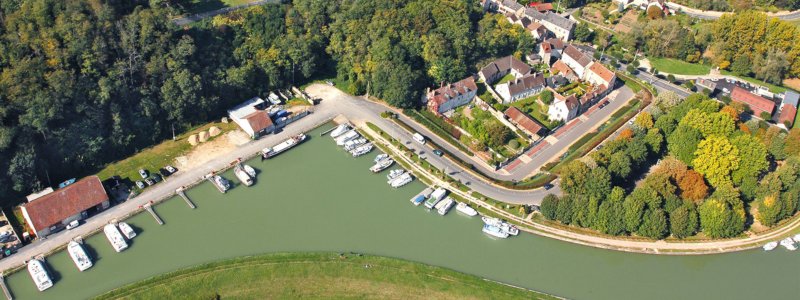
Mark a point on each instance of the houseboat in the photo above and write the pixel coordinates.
(242, 175)
(115, 238)
(464, 208)
(381, 165)
(445, 206)
(39, 274)
(79, 256)
(494, 231)
(418, 200)
(283, 146)
(127, 230)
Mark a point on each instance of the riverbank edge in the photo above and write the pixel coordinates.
(317, 257)
(571, 235)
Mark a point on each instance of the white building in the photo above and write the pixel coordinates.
(563, 108)
(451, 96)
(521, 88)
(598, 74)
(576, 60)
(252, 117)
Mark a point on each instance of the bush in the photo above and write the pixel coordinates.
(765, 115)
(513, 144)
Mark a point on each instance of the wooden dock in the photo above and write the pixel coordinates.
(328, 131)
(152, 212)
(181, 193)
(6, 291)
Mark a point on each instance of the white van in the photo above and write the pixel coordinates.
(419, 138)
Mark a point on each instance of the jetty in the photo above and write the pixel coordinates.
(3, 285)
(149, 208)
(180, 192)
(328, 131)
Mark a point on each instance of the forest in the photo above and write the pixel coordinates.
(687, 167)
(85, 83)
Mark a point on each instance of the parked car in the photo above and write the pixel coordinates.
(171, 169)
(140, 184)
(143, 173)
(164, 172)
(156, 178)
(548, 186)
(419, 138)
(73, 224)
(149, 181)
(438, 152)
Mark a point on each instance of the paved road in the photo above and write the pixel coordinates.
(197, 17)
(713, 15)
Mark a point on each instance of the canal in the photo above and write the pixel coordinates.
(317, 198)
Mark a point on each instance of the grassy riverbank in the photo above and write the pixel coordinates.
(318, 275)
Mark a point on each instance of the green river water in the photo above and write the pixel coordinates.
(317, 198)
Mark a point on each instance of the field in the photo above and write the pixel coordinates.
(318, 276)
(674, 66)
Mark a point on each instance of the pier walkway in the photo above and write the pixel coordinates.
(182, 194)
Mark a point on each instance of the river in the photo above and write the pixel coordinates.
(317, 198)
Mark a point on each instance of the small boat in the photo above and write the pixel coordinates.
(250, 170)
(380, 157)
(418, 200)
(445, 206)
(127, 230)
(492, 221)
(352, 134)
(283, 146)
(223, 184)
(39, 274)
(507, 228)
(402, 180)
(769, 246)
(116, 239)
(510, 229)
(494, 231)
(796, 237)
(382, 165)
(788, 243)
(463, 208)
(339, 130)
(361, 150)
(240, 173)
(79, 256)
(66, 183)
(354, 143)
(394, 174)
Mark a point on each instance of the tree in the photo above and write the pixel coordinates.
(683, 142)
(769, 210)
(564, 211)
(583, 33)
(715, 158)
(619, 165)
(692, 186)
(717, 219)
(498, 134)
(731, 112)
(547, 97)
(667, 99)
(653, 12)
(625, 134)
(752, 158)
(742, 66)
(644, 120)
(683, 221)
(574, 176)
(654, 140)
(654, 224)
(791, 146)
(635, 204)
(709, 123)
(549, 206)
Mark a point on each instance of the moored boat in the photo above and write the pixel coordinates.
(445, 206)
(344, 138)
(339, 130)
(283, 146)
(240, 173)
(361, 150)
(494, 231)
(354, 143)
(788, 243)
(394, 174)
(115, 237)
(492, 221)
(127, 230)
(431, 202)
(39, 274)
(796, 237)
(418, 200)
(510, 229)
(770, 246)
(380, 157)
(463, 208)
(250, 170)
(223, 184)
(402, 180)
(382, 165)
(79, 256)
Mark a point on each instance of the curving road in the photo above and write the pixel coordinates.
(713, 15)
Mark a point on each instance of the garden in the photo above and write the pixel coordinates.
(487, 134)
(537, 109)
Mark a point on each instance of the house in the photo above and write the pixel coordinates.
(564, 70)
(450, 96)
(52, 211)
(556, 81)
(563, 108)
(541, 7)
(521, 88)
(599, 75)
(550, 49)
(560, 26)
(788, 109)
(509, 6)
(537, 30)
(706, 84)
(522, 120)
(576, 60)
(502, 67)
(252, 117)
(757, 104)
(593, 96)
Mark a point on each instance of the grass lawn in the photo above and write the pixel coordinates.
(536, 110)
(505, 79)
(318, 276)
(772, 88)
(198, 6)
(674, 66)
(157, 156)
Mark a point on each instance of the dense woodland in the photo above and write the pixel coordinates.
(84, 83)
(690, 166)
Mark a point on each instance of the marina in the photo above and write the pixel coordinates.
(340, 224)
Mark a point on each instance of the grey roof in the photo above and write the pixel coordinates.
(559, 21)
(504, 65)
(527, 82)
(573, 52)
(791, 97)
(511, 4)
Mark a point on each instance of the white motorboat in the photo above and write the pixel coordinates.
(394, 174)
(510, 229)
(788, 243)
(796, 237)
(352, 134)
(402, 180)
(79, 256)
(770, 246)
(339, 130)
(240, 173)
(494, 231)
(463, 208)
(380, 157)
(115, 238)
(446, 205)
(492, 221)
(223, 184)
(283, 146)
(382, 165)
(127, 230)
(250, 170)
(361, 150)
(39, 274)
(354, 143)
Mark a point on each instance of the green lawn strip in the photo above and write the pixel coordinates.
(318, 275)
(678, 67)
(772, 88)
(505, 79)
(434, 127)
(796, 121)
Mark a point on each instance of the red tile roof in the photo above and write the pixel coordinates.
(562, 68)
(259, 120)
(757, 103)
(788, 112)
(447, 92)
(602, 71)
(523, 120)
(53, 208)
